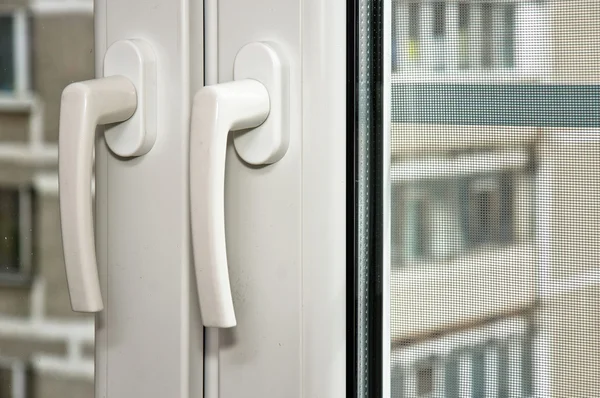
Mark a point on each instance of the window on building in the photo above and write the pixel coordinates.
(439, 34)
(491, 353)
(484, 210)
(14, 53)
(15, 234)
(461, 202)
(489, 216)
(9, 230)
(439, 19)
(414, 26)
(7, 78)
(430, 229)
(469, 36)
(510, 11)
(417, 222)
(487, 35)
(464, 39)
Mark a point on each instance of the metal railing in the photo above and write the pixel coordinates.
(492, 361)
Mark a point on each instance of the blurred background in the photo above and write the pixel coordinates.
(46, 350)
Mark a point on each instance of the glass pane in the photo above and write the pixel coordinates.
(46, 350)
(494, 146)
(6, 49)
(9, 230)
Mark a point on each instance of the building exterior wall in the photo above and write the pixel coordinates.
(51, 386)
(8, 4)
(570, 311)
(570, 303)
(575, 40)
(572, 323)
(62, 53)
(14, 126)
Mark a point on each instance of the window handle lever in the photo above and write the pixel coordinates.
(125, 97)
(256, 100)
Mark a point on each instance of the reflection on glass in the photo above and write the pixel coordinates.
(490, 209)
(478, 357)
(452, 375)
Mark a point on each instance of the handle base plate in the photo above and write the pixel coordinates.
(135, 60)
(267, 143)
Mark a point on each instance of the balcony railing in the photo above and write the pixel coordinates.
(493, 361)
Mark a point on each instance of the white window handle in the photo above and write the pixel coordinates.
(258, 99)
(127, 94)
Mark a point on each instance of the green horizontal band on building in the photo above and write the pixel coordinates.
(528, 105)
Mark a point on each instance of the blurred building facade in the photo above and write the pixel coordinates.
(46, 350)
(493, 214)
